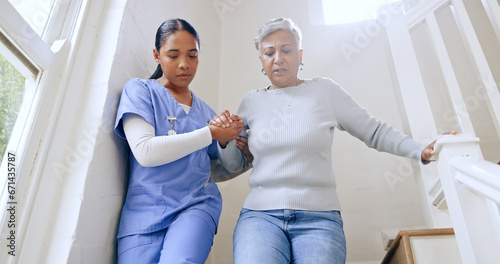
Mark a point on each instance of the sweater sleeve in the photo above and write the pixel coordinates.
(220, 173)
(376, 134)
(150, 150)
(233, 159)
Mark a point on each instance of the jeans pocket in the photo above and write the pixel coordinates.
(336, 217)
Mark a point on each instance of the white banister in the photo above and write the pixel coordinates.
(449, 75)
(416, 106)
(472, 189)
(477, 56)
(411, 84)
(418, 14)
(492, 9)
(467, 185)
(481, 176)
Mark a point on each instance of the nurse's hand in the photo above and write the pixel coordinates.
(224, 119)
(224, 135)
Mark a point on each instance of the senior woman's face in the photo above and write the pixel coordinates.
(280, 57)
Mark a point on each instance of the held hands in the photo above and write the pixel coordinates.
(428, 151)
(226, 120)
(225, 127)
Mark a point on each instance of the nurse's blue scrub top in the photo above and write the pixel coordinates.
(156, 195)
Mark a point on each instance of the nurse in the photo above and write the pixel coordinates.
(172, 206)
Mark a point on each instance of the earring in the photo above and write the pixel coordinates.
(301, 65)
(263, 71)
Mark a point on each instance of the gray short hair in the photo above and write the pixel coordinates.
(276, 24)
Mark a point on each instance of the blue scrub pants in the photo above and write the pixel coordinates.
(289, 236)
(187, 240)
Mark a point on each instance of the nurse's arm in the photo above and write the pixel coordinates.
(150, 150)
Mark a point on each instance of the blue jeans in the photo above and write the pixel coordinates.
(289, 236)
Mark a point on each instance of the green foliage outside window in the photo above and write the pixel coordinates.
(11, 97)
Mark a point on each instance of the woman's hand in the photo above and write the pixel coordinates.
(224, 119)
(242, 144)
(224, 135)
(428, 151)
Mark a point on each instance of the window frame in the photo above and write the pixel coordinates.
(47, 53)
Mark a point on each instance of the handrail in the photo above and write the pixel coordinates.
(417, 15)
(479, 175)
(471, 186)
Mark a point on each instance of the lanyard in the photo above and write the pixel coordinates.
(171, 131)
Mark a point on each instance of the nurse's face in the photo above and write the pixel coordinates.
(178, 58)
(280, 57)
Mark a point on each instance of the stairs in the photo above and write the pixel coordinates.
(446, 65)
(427, 246)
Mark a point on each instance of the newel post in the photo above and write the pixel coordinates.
(449, 147)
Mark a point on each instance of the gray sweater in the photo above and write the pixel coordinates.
(290, 134)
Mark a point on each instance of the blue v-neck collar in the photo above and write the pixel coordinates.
(194, 103)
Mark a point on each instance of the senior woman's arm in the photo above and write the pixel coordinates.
(220, 173)
(354, 119)
(232, 158)
(230, 155)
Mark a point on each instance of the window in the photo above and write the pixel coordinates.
(34, 38)
(351, 11)
(12, 85)
(35, 12)
(18, 79)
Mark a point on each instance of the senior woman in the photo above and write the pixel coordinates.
(291, 214)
